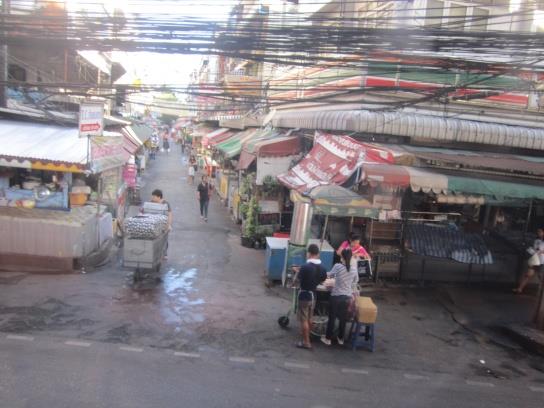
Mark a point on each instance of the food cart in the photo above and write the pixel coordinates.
(321, 313)
(146, 239)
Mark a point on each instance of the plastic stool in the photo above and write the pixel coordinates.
(362, 335)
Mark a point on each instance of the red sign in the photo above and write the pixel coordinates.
(129, 175)
(89, 127)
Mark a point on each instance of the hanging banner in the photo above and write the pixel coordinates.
(106, 153)
(129, 175)
(91, 119)
(332, 160)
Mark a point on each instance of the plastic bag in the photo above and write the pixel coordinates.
(534, 260)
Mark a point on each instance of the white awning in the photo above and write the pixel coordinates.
(415, 126)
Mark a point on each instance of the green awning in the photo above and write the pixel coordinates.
(250, 144)
(233, 146)
(337, 201)
(432, 180)
(500, 190)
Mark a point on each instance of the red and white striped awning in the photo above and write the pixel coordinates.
(215, 137)
(332, 160)
(417, 179)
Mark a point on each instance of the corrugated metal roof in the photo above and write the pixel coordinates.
(415, 126)
(36, 141)
(142, 132)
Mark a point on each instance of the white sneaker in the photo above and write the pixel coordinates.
(340, 341)
(325, 340)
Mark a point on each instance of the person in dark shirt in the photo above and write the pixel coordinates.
(203, 195)
(311, 274)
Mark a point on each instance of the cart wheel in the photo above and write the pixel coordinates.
(283, 322)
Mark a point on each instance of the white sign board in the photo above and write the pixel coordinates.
(91, 119)
(272, 166)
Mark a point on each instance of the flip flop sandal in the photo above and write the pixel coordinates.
(301, 345)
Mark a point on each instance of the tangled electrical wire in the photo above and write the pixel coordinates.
(320, 39)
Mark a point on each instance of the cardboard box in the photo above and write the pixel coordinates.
(367, 311)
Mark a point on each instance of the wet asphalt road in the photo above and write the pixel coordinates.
(210, 300)
(49, 372)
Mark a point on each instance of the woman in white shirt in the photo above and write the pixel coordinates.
(341, 296)
(191, 173)
(538, 248)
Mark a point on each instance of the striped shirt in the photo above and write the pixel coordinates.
(344, 280)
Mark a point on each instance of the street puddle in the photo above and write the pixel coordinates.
(176, 282)
(178, 305)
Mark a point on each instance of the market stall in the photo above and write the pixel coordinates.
(54, 182)
(228, 185)
(319, 194)
(263, 159)
(198, 132)
(431, 197)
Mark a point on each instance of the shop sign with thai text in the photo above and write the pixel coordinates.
(106, 153)
(91, 119)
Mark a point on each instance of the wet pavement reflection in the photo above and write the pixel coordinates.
(178, 304)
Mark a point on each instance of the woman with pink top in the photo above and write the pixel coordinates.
(354, 243)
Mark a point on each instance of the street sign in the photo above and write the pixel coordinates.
(91, 119)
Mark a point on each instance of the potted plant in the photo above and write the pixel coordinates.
(246, 186)
(249, 228)
(262, 231)
(270, 186)
(243, 209)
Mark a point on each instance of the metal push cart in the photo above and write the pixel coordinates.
(146, 255)
(321, 310)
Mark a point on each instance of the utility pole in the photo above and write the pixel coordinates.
(4, 55)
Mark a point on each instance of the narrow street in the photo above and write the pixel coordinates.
(210, 305)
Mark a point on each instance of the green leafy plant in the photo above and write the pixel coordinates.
(250, 223)
(243, 208)
(247, 185)
(270, 185)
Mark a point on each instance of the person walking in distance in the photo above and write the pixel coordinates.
(191, 174)
(166, 142)
(191, 170)
(204, 190)
(182, 144)
(538, 250)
